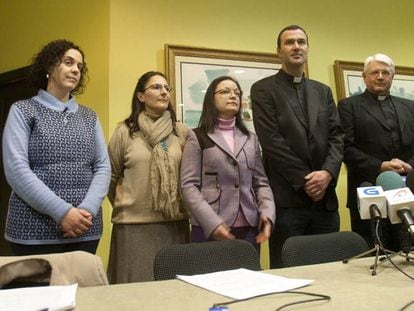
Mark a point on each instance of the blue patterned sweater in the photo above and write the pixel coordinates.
(55, 157)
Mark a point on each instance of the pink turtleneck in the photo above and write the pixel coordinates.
(226, 128)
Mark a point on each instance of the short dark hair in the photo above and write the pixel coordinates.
(51, 55)
(290, 27)
(208, 118)
(137, 106)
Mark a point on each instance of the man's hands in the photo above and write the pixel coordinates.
(396, 165)
(316, 183)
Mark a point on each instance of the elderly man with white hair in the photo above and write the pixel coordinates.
(379, 136)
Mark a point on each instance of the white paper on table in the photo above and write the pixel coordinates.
(243, 283)
(51, 298)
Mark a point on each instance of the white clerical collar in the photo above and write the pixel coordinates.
(381, 97)
(297, 79)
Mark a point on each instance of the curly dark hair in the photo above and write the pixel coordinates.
(137, 106)
(51, 55)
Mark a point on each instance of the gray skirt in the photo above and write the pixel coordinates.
(134, 246)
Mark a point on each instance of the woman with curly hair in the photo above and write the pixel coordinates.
(145, 152)
(55, 159)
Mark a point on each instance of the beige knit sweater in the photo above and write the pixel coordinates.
(130, 189)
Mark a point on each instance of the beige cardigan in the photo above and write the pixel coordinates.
(130, 189)
(55, 269)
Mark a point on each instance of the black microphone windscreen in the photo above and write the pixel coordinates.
(409, 181)
(366, 184)
(390, 180)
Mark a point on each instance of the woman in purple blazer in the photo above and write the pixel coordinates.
(223, 183)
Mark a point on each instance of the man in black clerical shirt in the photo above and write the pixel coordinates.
(299, 130)
(379, 136)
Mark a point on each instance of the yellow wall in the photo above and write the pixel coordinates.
(124, 38)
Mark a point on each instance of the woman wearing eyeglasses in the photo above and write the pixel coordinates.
(145, 152)
(223, 182)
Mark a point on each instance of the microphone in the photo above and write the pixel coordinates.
(409, 180)
(371, 201)
(390, 180)
(400, 199)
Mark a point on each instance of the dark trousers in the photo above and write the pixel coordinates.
(24, 250)
(242, 233)
(299, 221)
(393, 237)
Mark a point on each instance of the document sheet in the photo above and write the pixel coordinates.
(51, 298)
(243, 283)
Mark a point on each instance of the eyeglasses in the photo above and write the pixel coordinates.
(227, 92)
(158, 87)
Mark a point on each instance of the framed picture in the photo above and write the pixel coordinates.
(348, 80)
(190, 70)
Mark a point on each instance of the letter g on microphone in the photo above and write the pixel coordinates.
(371, 191)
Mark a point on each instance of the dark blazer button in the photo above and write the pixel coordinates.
(234, 163)
(236, 186)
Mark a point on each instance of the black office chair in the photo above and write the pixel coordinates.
(206, 257)
(319, 248)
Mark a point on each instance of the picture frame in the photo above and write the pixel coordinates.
(349, 81)
(190, 70)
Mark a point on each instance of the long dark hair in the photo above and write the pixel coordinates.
(51, 55)
(137, 106)
(208, 118)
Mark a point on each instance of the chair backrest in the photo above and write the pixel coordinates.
(320, 248)
(206, 257)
